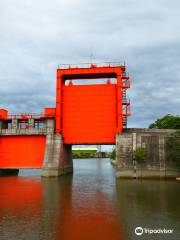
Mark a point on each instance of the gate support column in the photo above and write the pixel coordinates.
(58, 156)
(124, 156)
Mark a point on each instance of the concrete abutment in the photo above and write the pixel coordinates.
(157, 162)
(57, 158)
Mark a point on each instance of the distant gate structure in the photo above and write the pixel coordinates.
(91, 114)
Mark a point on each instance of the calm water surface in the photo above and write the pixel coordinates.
(88, 205)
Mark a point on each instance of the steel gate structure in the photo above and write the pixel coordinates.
(84, 114)
(91, 114)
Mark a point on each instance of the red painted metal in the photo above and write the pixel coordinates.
(89, 114)
(93, 113)
(3, 114)
(22, 151)
(49, 112)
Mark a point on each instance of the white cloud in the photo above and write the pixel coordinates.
(35, 36)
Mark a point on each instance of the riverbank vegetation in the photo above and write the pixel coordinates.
(139, 155)
(84, 153)
(167, 122)
(173, 143)
(112, 155)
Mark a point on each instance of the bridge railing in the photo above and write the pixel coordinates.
(26, 116)
(24, 124)
(24, 121)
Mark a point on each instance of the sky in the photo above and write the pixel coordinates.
(36, 36)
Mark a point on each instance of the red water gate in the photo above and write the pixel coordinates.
(22, 151)
(91, 114)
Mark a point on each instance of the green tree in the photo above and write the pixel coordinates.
(167, 122)
(84, 153)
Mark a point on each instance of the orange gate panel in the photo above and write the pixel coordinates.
(89, 114)
(22, 151)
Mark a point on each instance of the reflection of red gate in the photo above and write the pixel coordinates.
(90, 114)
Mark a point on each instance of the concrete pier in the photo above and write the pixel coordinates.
(58, 156)
(157, 163)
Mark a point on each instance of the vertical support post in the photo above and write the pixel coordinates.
(162, 156)
(124, 155)
(1, 123)
(31, 123)
(119, 102)
(58, 156)
(14, 123)
(134, 140)
(58, 102)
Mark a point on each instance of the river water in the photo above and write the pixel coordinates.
(88, 205)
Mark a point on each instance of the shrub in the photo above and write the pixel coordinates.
(139, 155)
(112, 155)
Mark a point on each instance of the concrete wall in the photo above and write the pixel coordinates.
(157, 163)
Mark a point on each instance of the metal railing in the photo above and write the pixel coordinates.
(126, 110)
(91, 65)
(26, 116)
(24, 124)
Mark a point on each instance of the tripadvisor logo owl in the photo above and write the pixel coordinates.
(138, 231)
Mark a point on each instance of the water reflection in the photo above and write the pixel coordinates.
(91, 212)
(88, 205)
(149, 204)
(20, 207)
(82, 206)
